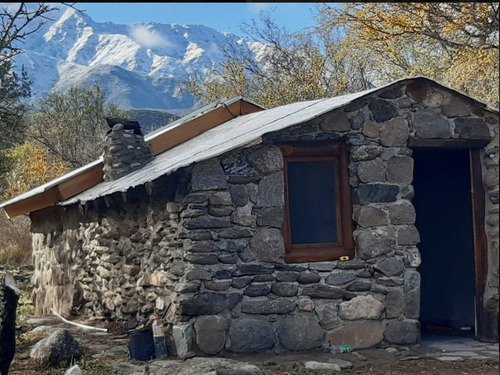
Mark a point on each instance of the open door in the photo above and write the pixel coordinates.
(445, 220)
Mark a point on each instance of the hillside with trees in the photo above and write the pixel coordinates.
(356, 45)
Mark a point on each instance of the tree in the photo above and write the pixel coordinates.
(291, 67)
(30, 165)
(455, 43)
(72, 126)
(18, 20)
(229, 79)
(12, 89)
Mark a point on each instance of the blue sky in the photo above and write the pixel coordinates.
(219, 16)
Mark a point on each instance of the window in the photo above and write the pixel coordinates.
(318, 210)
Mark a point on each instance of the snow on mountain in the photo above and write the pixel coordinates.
(138, 65)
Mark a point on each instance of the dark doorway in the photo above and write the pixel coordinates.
(443, 204)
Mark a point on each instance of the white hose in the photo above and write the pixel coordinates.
(78, 324)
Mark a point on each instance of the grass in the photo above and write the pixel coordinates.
(25, 304)
(15, 241)
(15, 256)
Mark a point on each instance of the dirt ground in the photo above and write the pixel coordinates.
(430, 367)
(291, 366)
(102, 351)
(422, 366)
(378, 362)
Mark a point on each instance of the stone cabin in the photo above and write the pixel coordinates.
(360, 219)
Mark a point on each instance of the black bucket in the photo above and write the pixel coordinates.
(141, 345)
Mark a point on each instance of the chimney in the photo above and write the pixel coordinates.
(124, 149)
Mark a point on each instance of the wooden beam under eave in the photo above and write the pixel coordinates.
(81, 182)
(34, 203)
(247, 108)
(191, 129)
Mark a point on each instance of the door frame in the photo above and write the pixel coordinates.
(483, 318)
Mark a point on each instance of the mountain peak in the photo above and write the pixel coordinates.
(140, 65)
(79, 14)
(73, 16)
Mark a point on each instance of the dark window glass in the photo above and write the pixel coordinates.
(311, 190)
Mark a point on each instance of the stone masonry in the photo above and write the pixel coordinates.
(124, 152)
(207, 241)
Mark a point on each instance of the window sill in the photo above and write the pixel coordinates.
(317, 255)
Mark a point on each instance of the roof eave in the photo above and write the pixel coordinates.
(81, 179)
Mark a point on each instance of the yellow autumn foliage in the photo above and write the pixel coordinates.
(454, 43)
(290, 67)
(303, 73)
(31, 166)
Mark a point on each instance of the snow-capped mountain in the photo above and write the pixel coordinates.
(139, 65)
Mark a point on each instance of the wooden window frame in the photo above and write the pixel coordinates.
(316, 252)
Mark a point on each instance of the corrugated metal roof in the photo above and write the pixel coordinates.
(232, 134)
(223, 138)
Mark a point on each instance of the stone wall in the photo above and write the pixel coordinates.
(113, 258)
(214, 249)
(490, 181)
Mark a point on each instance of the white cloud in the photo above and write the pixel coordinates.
(257, 7)
(148, 38)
